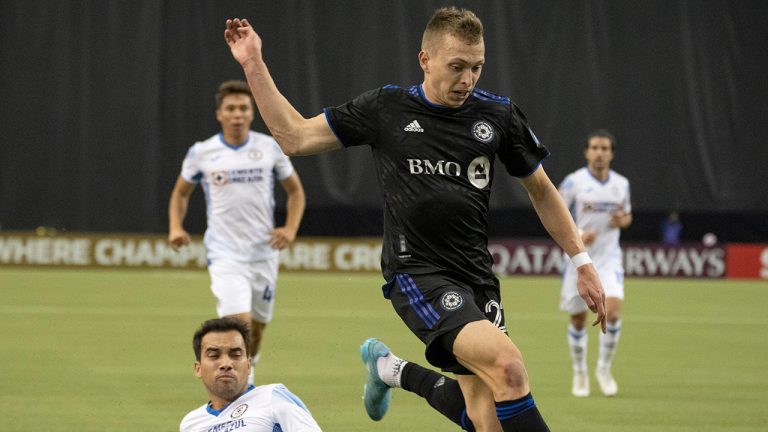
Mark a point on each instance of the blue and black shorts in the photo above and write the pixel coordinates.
(436, 307)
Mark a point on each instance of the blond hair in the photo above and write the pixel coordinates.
(458, 22)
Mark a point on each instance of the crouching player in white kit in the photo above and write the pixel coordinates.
(599, 201)
(222, 363)
(238, 170)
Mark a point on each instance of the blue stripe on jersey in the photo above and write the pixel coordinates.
(507, 410)
(391, 86)
(233, 146)
(602, 182)
(535, 138)
(422, 307)
(290, 397)
(212, 411)
(536, 167)
(423, 96)
(414, 90)
(490, 97)
(327, 120)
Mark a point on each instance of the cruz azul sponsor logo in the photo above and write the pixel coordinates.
(247, 175)
(441, 167)
(228, 426)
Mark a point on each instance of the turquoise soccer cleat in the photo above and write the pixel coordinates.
(376, 393)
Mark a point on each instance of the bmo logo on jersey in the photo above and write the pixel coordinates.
(478, 172)
(425, 166)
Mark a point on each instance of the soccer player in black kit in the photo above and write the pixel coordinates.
(434, 145)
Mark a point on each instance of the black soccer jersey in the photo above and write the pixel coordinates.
(435, 167)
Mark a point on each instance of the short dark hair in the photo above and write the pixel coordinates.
(602, 133)
(232, 87)
(458, 22)
(220, 325)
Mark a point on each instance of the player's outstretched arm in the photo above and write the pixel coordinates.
(557, 220)
(283, 236)
(295, 134)
(177, 211)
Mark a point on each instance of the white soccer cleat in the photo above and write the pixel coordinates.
(607, 384)
(580, 384)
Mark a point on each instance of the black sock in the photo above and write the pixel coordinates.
(520, 415)
(442, 393)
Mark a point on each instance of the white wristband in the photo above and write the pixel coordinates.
(581, 259)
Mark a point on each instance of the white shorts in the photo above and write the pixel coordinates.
(611, 277)
(243, 287)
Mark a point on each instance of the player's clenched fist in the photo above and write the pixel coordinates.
(178, 239)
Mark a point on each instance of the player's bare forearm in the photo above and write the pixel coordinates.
(552, 212)
(621, 220)
(177, 211)
(295, 205)
(282, 119)
(295, 134)
(282, 237)
(178, 204)
(557, 220)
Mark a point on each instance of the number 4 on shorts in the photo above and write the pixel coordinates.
(267, 293)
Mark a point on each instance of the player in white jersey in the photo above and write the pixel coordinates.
(599, 200)
(221, 361)
(238, 169)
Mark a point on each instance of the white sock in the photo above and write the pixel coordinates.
(608, 344)
(254, 361)
(577, 344)
(390, 368)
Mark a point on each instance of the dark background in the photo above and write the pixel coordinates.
(99, 101)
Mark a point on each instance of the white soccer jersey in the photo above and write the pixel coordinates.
(267, 408)
(591, 203)
(239, 185)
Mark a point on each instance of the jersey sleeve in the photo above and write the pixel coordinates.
(291, 413)
(283, 166)
(521, 152)
(566, 190)
(354, 122)
(190, 169)
(627, 206)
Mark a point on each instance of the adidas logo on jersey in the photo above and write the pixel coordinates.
(414, 126)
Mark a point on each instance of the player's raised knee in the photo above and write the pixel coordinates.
(511, 375)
